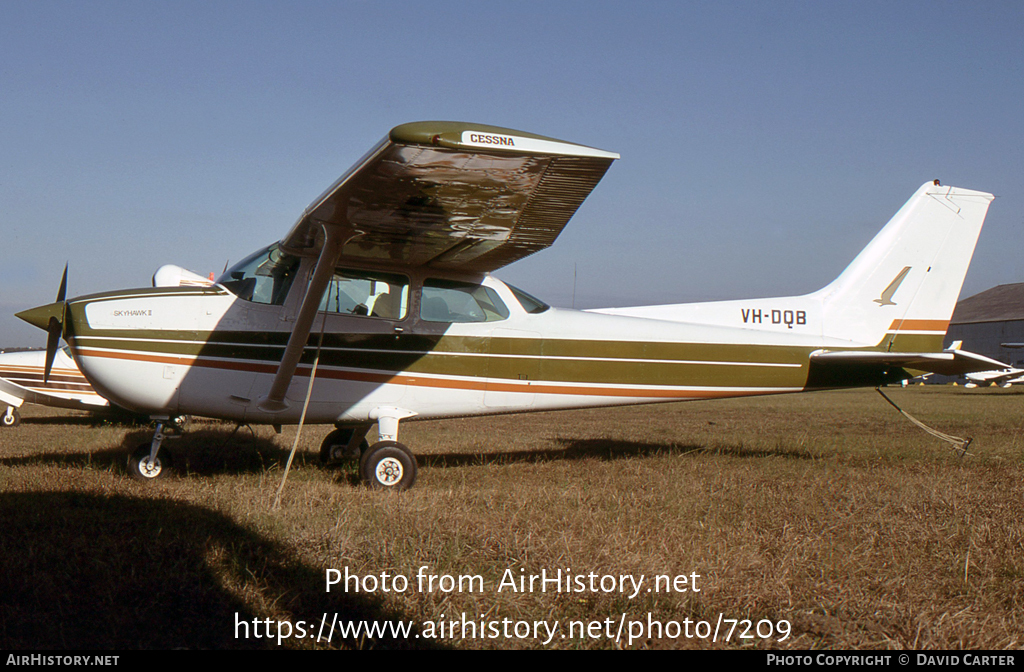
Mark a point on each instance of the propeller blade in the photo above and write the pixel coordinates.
(55, 327)
(53, 334)
(62, 292)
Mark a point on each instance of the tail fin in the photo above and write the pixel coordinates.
(906, 282)
(903, 286)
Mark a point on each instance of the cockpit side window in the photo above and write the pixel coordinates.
(451, 301)
(530, 304)
(351, 292)
(262, 277)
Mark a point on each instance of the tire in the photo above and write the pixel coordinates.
(10, 418)
(139, 467)
(388, 465)
(333, 449)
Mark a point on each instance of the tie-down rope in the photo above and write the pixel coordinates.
(305, 405)
(960, 444)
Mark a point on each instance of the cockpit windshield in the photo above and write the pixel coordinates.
(262, 277)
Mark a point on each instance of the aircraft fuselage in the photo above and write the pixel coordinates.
(206, 351)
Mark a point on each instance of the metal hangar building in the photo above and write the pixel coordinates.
(987, 321)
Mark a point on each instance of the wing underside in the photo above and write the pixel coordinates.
(444, 195)
(454, 196)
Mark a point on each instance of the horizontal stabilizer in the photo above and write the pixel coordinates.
(946, 363)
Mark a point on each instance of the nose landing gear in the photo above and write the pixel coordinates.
(146, 462)
(11, 418)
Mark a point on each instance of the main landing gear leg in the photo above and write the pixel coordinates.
(387, 464)
(344, 443)
(146, 462)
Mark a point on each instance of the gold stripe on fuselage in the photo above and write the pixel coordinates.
(477, 383)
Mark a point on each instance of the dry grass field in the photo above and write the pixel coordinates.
(827, 511)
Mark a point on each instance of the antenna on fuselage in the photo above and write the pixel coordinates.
(573, 285)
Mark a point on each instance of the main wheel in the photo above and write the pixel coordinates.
(388, 465)
(11, 418)
(335, 447)
(142, 469)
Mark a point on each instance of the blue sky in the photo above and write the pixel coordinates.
(763, 144)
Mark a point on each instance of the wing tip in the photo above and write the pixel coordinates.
(465, 135)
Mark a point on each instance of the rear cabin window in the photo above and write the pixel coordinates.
(530, 303)
(368, 293)
(451, 301)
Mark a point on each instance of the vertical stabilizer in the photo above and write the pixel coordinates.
(904, 285)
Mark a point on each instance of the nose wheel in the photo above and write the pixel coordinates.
(11, 418)
(142, 467)
(147, 462)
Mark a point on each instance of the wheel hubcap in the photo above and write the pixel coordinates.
(149, 468)
(389, 471)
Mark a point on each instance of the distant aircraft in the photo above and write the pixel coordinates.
(21, 380)
(1003, 377)
(381, 293)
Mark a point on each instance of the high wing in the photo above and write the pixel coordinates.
(454, 196)
(447, 195)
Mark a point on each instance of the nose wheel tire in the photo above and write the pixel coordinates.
(10, 418)
(388, 465)
(141, 468)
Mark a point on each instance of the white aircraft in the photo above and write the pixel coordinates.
(1001, 377)
(378, 306)
(21, 380)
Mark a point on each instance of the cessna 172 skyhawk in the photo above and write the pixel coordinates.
(381, 292)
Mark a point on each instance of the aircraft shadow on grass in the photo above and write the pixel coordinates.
(604, 449)
(105, 419)
(90, 571)
(207, 452)
(202, 452)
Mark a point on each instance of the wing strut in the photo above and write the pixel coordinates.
(335, 238)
